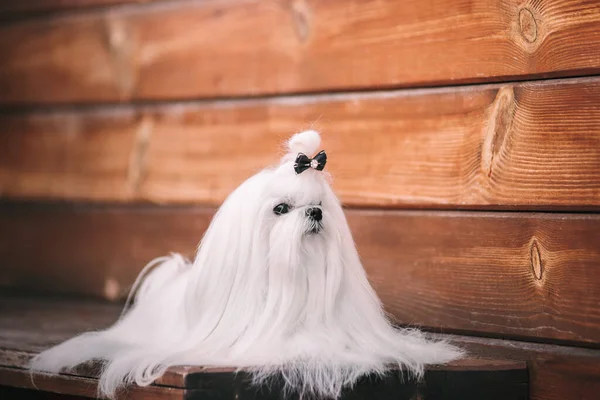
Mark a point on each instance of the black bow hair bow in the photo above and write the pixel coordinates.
(303, 162)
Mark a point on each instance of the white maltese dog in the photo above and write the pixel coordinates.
(277, 288)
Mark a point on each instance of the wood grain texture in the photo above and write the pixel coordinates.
(31, 394)
(519, 275)
(25, 7)
(100, 251)
(509, 274)
(192, 49)
(524, 146)
(555, 372)
(468, 379)
(437, 385)
(79, 386)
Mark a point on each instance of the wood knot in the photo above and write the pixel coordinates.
(121, 46)
(137, 159)
(301, 19)
(498, 127)
(527, 25)
(536, 261)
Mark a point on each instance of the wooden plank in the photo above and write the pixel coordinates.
(119, 243)
(196, 377)
(192, 49)
(555, 372)
(519, 275)
(523, 146)
(22, 8)
(439, 384)
(510, 274)
(32, 394)
(79, 386)
(465, 379)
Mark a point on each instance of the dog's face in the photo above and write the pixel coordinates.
(298, 202)
(281, 219)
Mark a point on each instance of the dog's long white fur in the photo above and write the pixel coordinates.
(263, 294)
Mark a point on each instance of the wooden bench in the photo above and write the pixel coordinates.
(475, 204)
(29, 325)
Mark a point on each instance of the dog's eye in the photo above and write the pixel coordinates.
(281, 209)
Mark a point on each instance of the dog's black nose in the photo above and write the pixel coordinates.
(315, 213)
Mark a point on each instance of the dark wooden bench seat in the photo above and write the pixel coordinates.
(30, 324)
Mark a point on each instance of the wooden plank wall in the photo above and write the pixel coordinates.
(517, 146)
(283, 46)
(11, 8)
(477, 124)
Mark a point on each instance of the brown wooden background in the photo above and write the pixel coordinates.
(123, 124)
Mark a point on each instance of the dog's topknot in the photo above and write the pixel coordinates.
(307, 142)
